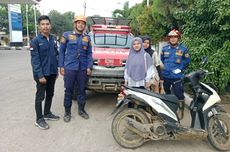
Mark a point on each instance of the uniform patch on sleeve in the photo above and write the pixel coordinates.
(186, 55)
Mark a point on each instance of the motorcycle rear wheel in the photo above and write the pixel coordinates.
(215, 136)
(127, 138)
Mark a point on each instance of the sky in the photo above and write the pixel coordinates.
(93, 7)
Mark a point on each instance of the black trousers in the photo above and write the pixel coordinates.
(44, 91)
(177, 87)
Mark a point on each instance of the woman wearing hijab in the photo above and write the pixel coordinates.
(139, 66)
(156, 62)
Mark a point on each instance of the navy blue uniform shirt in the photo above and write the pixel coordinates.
(44, 56)
(75, 51)
(174, 58)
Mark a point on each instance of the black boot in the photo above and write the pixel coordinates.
(82, 112)
(180, 111)
(67, 115)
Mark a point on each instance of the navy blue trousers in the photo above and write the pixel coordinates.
(71, 77)
(177, 87)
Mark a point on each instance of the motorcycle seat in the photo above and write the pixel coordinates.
(165, 97)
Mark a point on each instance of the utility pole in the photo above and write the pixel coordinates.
(147, 2)
(84, 8)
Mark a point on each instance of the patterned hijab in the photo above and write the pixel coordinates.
(137, 62)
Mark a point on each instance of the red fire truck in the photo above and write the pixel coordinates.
(111, 41)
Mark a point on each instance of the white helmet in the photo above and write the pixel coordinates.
(174, 33)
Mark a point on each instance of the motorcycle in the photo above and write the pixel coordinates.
(154, 116)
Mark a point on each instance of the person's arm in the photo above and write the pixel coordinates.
(35, 59)
(162, 56)
(126, 76)
(159, 72)
(186, 59)
(162, 60)
(62, 50)
(61, 57)
(149, 73)
(89, 55)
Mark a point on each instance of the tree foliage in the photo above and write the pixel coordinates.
(31, 19)
(125, 12)
(206, 33)
(61, 22)
(4, 22)
(4, 18)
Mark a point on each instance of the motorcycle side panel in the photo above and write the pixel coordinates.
(156, 104)
(213, 99)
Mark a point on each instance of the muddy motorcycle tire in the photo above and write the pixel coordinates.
(215, 136)
(121, 138)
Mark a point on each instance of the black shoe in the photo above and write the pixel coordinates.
(41, 123)
(67, 117)
(51, 116)
(83, 114)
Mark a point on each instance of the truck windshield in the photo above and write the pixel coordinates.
(107, 40)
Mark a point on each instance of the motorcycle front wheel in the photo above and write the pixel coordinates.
(219, 137)
(121, 131)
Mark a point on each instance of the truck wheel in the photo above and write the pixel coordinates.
(124, 136)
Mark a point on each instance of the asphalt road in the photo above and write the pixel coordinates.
(17, 116)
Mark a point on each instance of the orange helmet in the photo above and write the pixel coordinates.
(79, 18)
(174, 32)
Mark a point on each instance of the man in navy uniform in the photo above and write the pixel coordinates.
(45, 70)
(175, 58)
(75, 62)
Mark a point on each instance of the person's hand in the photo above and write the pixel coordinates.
(177, 71)
(162, 91)
(147, 85)
(42, 80)
(89, 71)
(161, 82)
(155, 82)
(62, 71)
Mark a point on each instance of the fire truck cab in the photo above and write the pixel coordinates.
(111, 41)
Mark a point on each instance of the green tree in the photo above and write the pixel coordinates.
(4, 22)
(4, 26)
(31, 19)
(125, 12)
(61, 22)
(206, 33)
(157, 19)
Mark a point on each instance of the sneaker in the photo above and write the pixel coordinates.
(51, 116)
(41, 123)
(67, 117)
